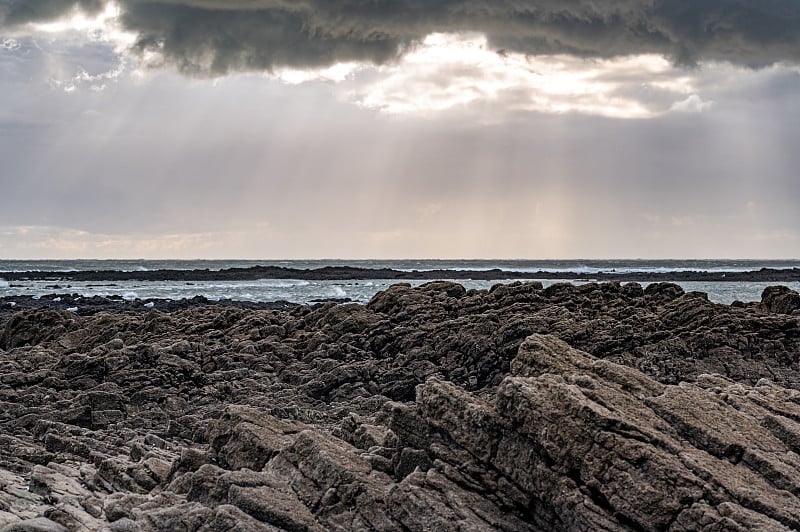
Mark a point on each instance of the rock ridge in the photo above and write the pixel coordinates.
(599, 407)
(345, 273)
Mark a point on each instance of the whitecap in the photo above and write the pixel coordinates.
(338, 291)
(130, 296)
(282, 284)
(3, 284)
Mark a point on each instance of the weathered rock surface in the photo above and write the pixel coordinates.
(600, 407)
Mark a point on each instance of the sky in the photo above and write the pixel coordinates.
(399, 129)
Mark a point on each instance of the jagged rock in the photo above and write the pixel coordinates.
(410, 460)
(37, 524)
(277, 507)
(229, 518)
(593, 407)
(429, 501)
(121, 525)
(121, 505)
(31, 328)
(780, 299)
(247, 438)
(640, 453)
(188, 516)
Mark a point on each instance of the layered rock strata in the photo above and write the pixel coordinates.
(600, 407)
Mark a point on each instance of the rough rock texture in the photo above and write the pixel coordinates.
(521, 408)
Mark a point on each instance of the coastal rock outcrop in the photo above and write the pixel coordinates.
(781, 299)
(603, 406)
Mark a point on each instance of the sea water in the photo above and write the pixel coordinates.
(362, 291)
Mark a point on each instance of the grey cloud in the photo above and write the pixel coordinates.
(214, 41)
(160, 159)
(212, 37)
(19, 12)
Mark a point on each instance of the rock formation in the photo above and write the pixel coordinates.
(433, 408)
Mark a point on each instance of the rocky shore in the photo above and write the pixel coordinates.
(346, 273)
(597, 407)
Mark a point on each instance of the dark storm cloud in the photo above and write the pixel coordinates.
(209, 37)
(214, 36)
(17, 12)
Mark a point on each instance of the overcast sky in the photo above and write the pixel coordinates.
(399, 129)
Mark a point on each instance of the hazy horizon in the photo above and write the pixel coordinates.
(407, 259)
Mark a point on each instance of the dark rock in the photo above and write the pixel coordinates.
(229, 518)
(449, 288)
(663, 292)
(187, 516)
(247, 438)
(278, 507)
(592, 407)
(411, 460)
(780, 299)
(121, 505)
(354, 273)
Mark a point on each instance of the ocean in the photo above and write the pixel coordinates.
(361, 291)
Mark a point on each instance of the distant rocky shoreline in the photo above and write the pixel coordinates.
(346, 273)
(520, 408)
